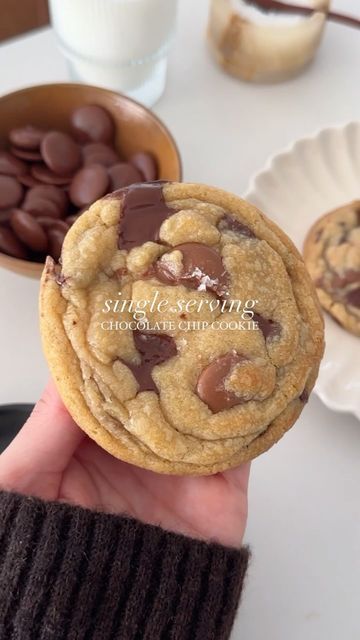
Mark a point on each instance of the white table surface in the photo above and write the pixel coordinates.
(304, 522)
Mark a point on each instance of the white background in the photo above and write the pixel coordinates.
(304, 523)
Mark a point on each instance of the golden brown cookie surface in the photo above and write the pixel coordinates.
(332, 256)
(219, 366)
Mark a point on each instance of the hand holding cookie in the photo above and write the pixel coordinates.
(51, 458)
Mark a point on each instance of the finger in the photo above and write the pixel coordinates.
(48, 439)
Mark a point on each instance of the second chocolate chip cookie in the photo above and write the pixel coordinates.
(332, 256)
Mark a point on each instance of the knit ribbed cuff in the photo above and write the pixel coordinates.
(68, 573)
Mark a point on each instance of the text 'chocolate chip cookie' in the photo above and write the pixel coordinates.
(181, 327)
(332, 256)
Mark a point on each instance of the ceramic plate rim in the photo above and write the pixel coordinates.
(346, 405)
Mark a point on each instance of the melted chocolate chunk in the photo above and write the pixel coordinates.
(304, 396)
(60, 280)
(351, 276)
(53, 271)
(154, 349)
(353, 298)
(202, 269)
(228, 222)
(144, 211)
(269, 328)
(211, 383)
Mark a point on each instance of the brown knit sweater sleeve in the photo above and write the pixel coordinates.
(67, 573)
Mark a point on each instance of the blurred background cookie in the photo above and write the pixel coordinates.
(332, 256)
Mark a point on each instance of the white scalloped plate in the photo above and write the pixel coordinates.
(297, 186)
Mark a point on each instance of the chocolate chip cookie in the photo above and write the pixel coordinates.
(332, 256)
(181, 327)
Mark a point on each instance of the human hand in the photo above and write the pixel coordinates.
(51, 458)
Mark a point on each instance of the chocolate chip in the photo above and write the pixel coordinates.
(27, 137)
(202, 269)
(88, 185)
(10, 165)
(143, 212)
(56, 239)
(5, 216)
(342, 239)
(154, 349)
(28, 180)
(51, 223)
(304, 396)
(42, 173)
(44, 162)
(99, 153)
(10, 244)
(49, 192)
(92, 123)
(60, 279)
(25, 154)
(60, 153)
(353, 298)
(269, 328)
(28, 230)
(41, 207)
(146, 164)
(11, 192)
(230, 223)
(122, 175)
(211, 383)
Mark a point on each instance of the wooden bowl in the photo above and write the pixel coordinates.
(49, 106)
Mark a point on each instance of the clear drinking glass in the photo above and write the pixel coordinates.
(118, 44)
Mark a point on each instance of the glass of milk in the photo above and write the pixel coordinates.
(118, 44)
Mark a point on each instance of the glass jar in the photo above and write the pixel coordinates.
(260, 46)
(118, 44)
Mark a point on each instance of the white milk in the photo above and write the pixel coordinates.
(119, 44)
